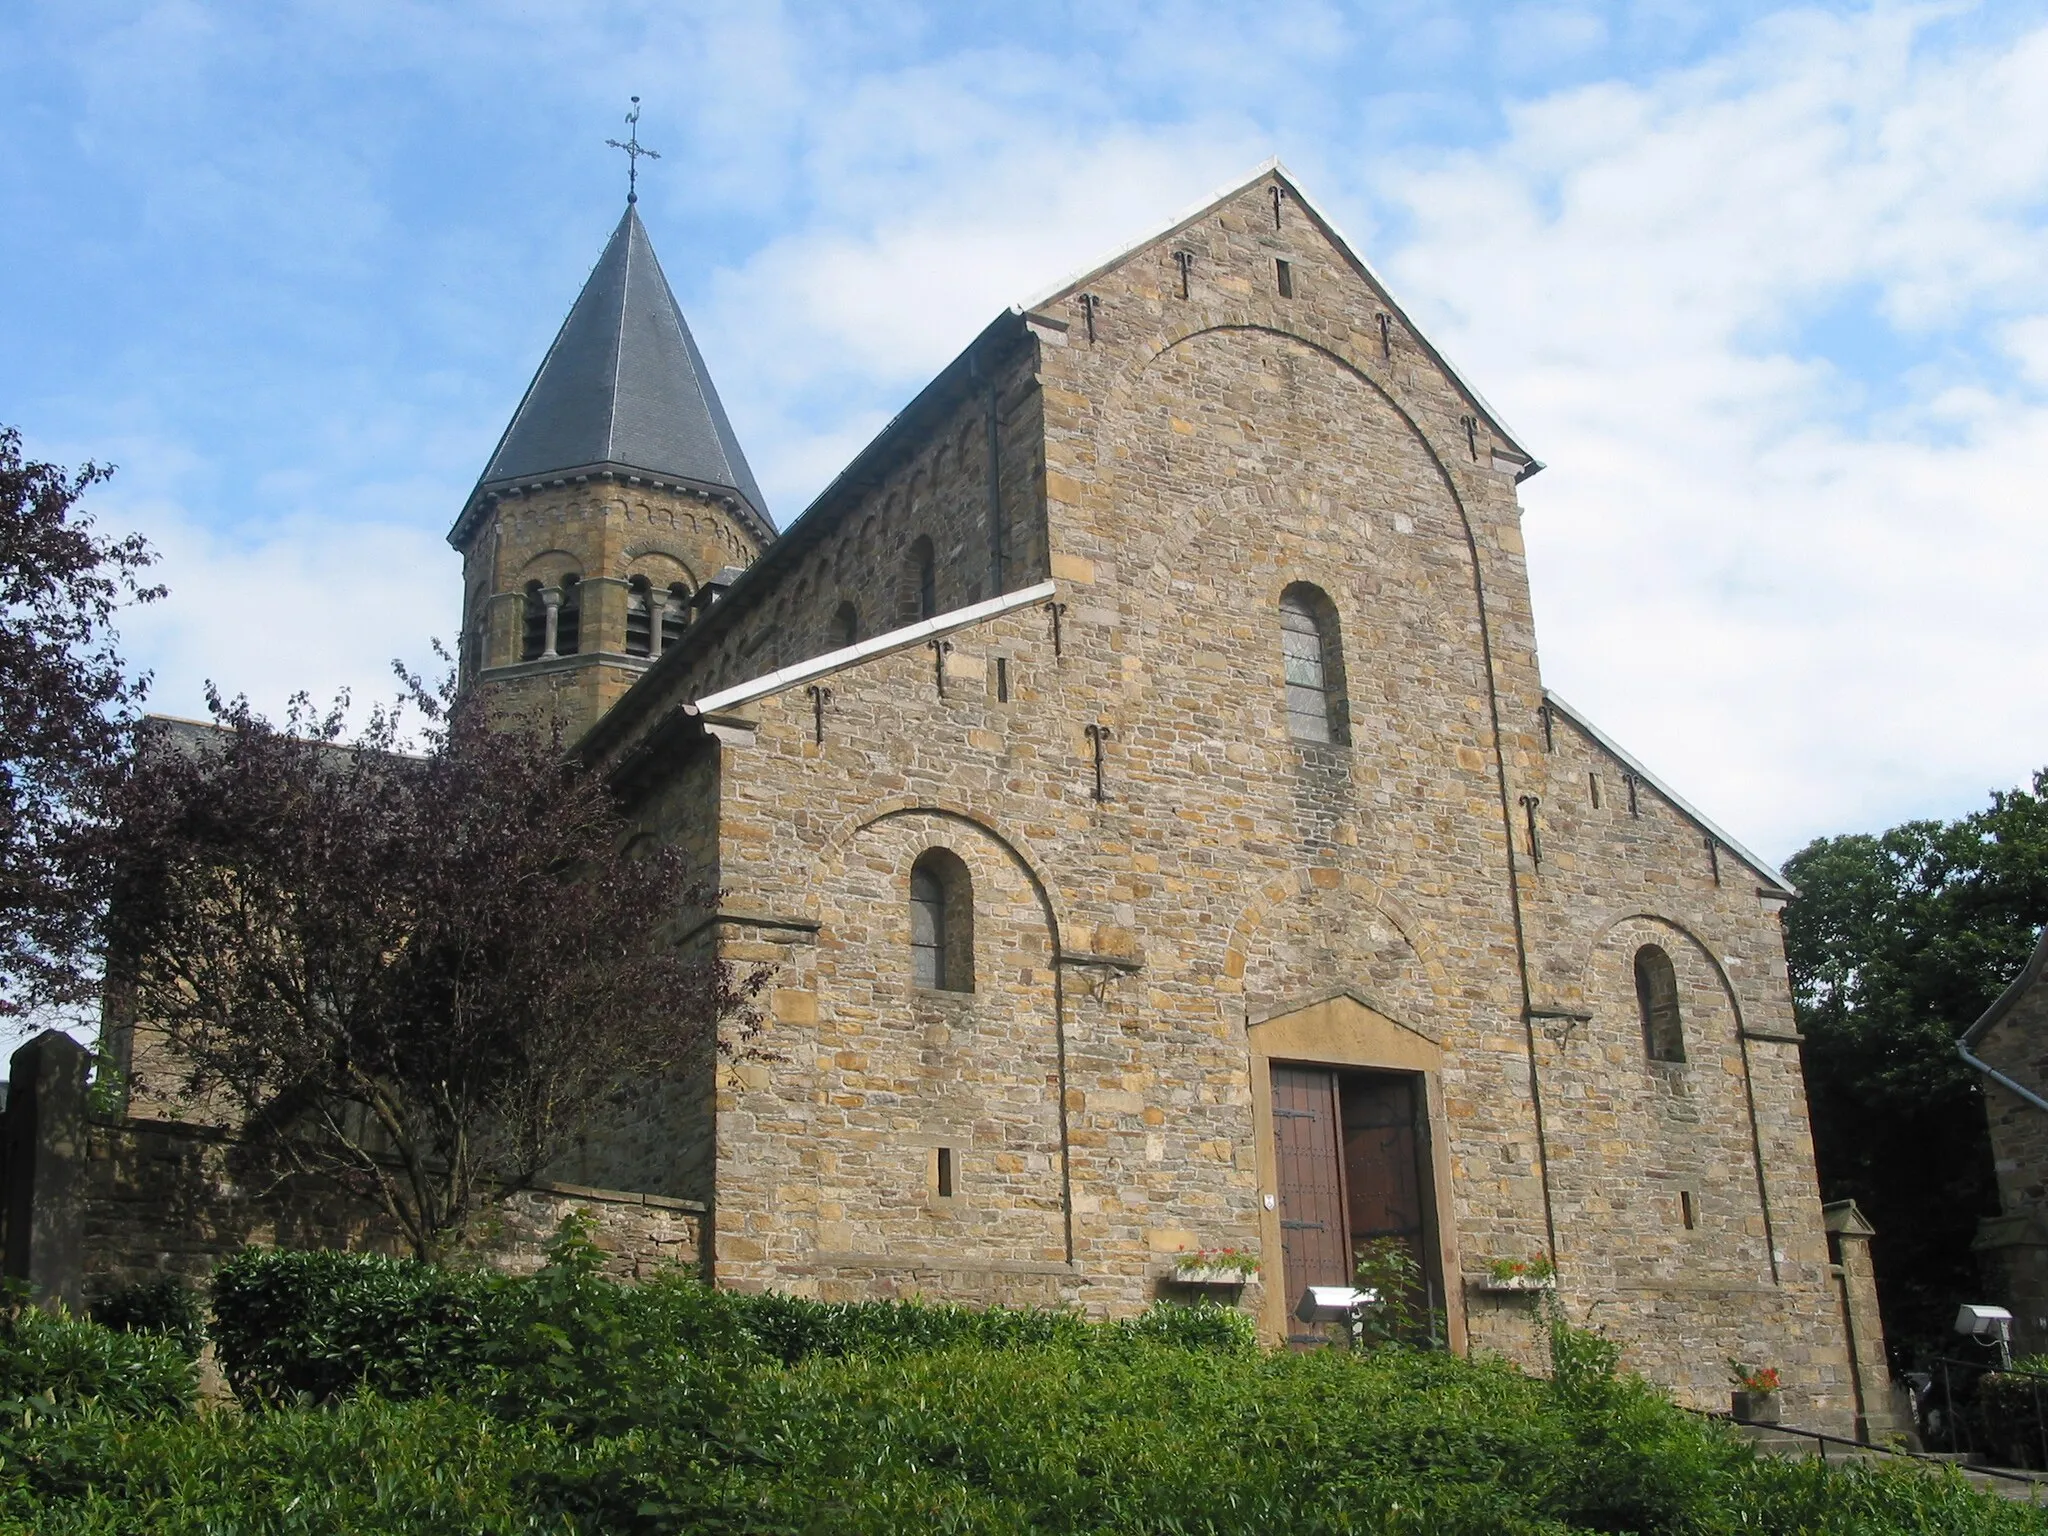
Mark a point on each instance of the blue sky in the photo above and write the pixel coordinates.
(1764, 287)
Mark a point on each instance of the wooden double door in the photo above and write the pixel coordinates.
(1352, 1158)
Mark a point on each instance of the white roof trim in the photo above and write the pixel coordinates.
(866, 650)
(1273, 167)
(1768, 871)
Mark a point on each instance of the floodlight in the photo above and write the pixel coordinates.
(1982, 1321)
(1987, 1325)
(1332, 1303)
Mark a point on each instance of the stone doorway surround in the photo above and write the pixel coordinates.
(1342, 1028)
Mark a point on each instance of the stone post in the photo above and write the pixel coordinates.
(1870, 1373)
(551, 599)
(45, 1162)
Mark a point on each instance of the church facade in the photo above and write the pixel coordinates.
(1136, 770)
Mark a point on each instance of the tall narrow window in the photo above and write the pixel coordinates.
(1284, 271)
(569, 625)
(675, 613)
(1657, 1000)
(533, 632)
(921, 582)
(846, 624)
(639, 617)
(941, 922)
(1313, 662)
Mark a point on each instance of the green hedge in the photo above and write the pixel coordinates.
(288, 1325)
(565, 1403)
(569, 1344)
(1138, 1438)
(54, 1366)
(167, 1306)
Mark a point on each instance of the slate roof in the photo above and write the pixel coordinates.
(624, 388)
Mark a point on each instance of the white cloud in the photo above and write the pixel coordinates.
(1777, 319)
(317, 603)
(1810, 622)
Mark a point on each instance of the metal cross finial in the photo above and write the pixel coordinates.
(634, 150)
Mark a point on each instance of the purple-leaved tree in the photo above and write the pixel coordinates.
(423, 969)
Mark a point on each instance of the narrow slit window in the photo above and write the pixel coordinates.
(1593, 787)
(1002, 679)
(921, 597)
(945, 1173)
(1657, 1000)
(1687, 1211)
(1284, 271)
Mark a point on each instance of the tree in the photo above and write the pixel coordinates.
(422, 975)
(66, 708)
(1897, 943)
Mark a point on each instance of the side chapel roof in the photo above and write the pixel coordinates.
(624, 389)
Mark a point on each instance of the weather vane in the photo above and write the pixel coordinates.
(634, 150)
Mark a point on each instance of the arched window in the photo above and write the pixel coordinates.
(1313, 662)
(533, 633)
(639, 617)
(921, 582)
(569, 623)
(941, 922)
(846, 624)
(1657, 1000)
(675, 614)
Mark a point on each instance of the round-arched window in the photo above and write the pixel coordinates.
(941, 922)
(1657, 1000)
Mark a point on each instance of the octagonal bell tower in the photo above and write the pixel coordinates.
(617, 491)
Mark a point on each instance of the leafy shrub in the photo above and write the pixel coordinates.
(570, 1346)
(54, 1366)
(318, 1325)
(1386, 1267)
(1118, 1435)
(2011, 1413)
(167, 1306)
(1208, 1327)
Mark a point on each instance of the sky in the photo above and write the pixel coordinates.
(1766, 290)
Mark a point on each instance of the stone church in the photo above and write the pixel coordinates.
(1136, 768)
(1136, 771)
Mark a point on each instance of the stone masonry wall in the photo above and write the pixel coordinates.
(2017, 1045)
(860, 552)
(163, 1198)
(2013, 1247)
(1629, 1136)
(1200, 455)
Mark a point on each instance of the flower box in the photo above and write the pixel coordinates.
(1209, 1274)
(1515, 1285)
(1754, 1407)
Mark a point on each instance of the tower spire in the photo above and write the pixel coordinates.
(634, 150)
